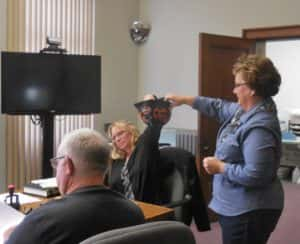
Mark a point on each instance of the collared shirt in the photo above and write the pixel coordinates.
(250, 145)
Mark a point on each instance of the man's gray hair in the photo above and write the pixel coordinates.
(88, 149)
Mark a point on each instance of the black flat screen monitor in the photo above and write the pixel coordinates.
(34, 83)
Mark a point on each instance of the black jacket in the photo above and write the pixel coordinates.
(143, 167)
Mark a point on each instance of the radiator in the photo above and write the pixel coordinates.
(182, 138)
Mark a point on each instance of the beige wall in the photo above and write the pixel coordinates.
(2, 121)
(119, 59)
(169, 60)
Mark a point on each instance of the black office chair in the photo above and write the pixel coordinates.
(175, 194)
(180, 187)
(162, 232)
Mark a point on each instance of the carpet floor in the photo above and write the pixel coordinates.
(286, 232)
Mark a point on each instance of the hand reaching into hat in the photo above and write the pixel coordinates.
(154, 110)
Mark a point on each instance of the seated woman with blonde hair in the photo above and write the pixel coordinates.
(135, 158)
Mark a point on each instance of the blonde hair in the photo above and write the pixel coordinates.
(128, 127)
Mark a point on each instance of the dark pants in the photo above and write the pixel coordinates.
(253, 227)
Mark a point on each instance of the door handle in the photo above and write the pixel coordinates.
(205, 148)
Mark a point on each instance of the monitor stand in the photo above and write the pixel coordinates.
(47, 123)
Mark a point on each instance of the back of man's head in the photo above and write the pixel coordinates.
(88, 149)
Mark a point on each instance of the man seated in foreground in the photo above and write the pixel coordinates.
(86, 207)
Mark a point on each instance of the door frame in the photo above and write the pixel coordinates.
(272, 33)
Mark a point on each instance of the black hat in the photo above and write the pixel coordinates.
(156, 110)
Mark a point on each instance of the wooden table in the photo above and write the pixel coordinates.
(151, 212)
(155, 212)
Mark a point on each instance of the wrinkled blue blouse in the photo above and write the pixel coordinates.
(250, 145)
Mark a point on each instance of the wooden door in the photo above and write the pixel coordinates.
(217, 54)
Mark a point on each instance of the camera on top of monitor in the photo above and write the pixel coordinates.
(54, 44)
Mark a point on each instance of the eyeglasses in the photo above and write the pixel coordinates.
(54, 161)
(240, 84)
(118, 135)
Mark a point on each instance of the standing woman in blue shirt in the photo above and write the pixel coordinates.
(247, 194)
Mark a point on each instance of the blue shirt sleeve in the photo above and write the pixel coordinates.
(260, 165)
(216, 108)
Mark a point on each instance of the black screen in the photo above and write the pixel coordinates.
(34, 83)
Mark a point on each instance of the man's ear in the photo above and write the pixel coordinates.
(70, 169)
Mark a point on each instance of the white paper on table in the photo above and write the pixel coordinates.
(23, 198)
(8, 217)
